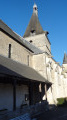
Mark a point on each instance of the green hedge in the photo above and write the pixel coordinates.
(60, 101)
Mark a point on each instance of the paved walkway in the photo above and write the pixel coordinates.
(55, 114)
(58, 113)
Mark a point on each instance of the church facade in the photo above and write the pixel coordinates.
(44, 63)
(28, 72)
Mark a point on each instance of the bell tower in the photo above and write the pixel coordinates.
(35, 34)
(65, 62)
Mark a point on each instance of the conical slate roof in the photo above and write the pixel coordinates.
(65, 59)
(34, 25)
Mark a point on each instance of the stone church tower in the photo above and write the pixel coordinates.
(35, 33)
(65, 63)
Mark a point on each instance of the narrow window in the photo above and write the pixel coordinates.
(28, 60)
(9, 51)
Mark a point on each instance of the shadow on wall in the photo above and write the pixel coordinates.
(39, 92)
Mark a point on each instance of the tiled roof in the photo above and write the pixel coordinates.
(34, 25)
(13, 68)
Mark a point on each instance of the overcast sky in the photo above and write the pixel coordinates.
(52, 16)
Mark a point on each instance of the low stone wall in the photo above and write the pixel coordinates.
(33, 110)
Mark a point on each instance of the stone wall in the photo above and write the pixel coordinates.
(6, 96)
(65, 67)
(54, 73)
(41, 42)
(39, 64)
(18, 52)
(43, 63)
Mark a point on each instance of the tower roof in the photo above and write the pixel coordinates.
(65, 59)
(34, 25)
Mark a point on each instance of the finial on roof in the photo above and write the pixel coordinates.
(35, 9)
(65, 59)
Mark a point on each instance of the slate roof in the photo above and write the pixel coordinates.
(13, 68)
(35, 25)
(65, 59)
(19, 39)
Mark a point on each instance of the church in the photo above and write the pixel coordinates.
(28, 72)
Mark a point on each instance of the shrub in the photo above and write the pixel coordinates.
(60, 101)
